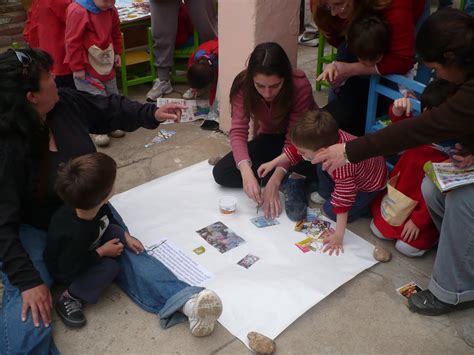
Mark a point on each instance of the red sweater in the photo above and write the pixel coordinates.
(209, 50)
(45, 29)
(302, 101)
(86, 31)
(402, 16)
(411, 174)
(368, 175)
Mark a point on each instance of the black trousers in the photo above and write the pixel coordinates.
(262, 149)
(91, 283)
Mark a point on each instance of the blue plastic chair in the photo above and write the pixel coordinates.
(377, 88)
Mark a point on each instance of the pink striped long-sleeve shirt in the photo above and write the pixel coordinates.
(368, 175)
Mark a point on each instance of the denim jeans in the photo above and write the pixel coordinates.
(452, 280)
(148, 282)
(360, 207)
(468, 5)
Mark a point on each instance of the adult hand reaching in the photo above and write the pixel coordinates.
(331, 157)
(169, 111)
(250, 183)
(39, 301)
(271, 198)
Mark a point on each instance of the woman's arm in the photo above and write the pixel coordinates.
(104, 114)
(17, 265)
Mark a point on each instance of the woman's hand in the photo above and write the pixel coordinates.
(170, 111)
(329, 74)
(410, 231)
(250, 183)
(37, 299)
(271, 196)
(460, 157)
(331, 157)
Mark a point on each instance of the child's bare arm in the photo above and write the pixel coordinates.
(333, 242)
(267, 167)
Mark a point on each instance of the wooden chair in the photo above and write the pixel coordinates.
(134, 56)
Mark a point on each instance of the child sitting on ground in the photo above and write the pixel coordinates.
(400, 213)
(83, 238)
(349, 190)
(93, 46)
(203, 70)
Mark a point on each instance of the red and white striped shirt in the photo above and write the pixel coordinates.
(367, 176)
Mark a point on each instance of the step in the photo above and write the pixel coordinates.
(9, 7)
(11, 29)
(13, 17)
(6, 41)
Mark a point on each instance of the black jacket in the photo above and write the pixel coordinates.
(21, 174)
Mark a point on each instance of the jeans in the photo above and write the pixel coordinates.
(17, 337)
(360, 207)
(149, 283)
(452, 280)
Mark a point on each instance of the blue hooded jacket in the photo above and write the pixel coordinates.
(89, 6)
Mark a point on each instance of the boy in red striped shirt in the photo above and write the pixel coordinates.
(349, 190)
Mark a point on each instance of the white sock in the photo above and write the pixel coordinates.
(187, 309)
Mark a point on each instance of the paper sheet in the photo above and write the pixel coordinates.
(178, 262)
(179, 204)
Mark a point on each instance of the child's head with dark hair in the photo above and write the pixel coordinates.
(201, 74)
(87, 181)
(369, 39)
(314, 130)
(437, 92)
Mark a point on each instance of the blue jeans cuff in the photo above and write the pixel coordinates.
(449, 296)
(169, 314)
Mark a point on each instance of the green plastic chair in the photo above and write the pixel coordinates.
(137, 56)
(323, 59)
(180, 60)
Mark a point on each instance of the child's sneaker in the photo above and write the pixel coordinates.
(295, 198)
(206, 309)
(70, 311)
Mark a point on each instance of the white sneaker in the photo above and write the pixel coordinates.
(317, 198)
(189, 94)
(101, 140)
(309, 39)
(206, 309)
(117, 133)
(160, 88)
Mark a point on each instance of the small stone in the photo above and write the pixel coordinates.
(382, 254)
(214, 160)
(260, 343)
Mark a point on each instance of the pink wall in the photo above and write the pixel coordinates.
(242, 25)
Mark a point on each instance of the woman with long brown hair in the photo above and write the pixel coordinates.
(348, 99)
(272, 94)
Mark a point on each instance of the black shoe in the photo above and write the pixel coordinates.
(296, 202)
(70, 311)
(424, 302)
